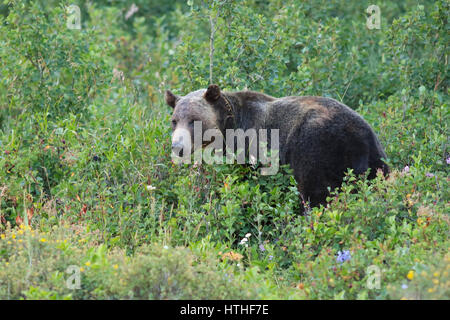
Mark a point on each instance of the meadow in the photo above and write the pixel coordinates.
(93, 207)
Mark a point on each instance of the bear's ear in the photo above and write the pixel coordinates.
(171, 99)
(212, 94)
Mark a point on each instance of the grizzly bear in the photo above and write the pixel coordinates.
(320, 138)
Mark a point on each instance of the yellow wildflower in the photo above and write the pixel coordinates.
(87, 264)
(115, 266)
(410, 275)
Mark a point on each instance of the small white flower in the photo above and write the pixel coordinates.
(150, 188)
(248, 235)
(243, 241)
(166, 247)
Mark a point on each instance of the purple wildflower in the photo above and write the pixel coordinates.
(406, 169)
(270, 258)
(343, 256)
(448, 160)
(261, 247)
(430, 175)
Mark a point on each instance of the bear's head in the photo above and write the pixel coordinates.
(194, 114)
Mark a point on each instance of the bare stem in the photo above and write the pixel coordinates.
(212, 23)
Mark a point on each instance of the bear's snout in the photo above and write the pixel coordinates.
(181, 142)
(177, 149)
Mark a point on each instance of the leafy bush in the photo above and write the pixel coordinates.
(47, 67)
(37, 265)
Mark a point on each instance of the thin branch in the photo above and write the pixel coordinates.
(212, 23)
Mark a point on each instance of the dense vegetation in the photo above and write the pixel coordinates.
(86, 175)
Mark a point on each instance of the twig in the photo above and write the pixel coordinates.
(212, 23)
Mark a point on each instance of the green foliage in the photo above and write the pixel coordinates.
(47, 68)
(85, 152)
(36, 266)
(425, 281)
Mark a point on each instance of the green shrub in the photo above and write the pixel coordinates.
(36, 265)
(48, 68)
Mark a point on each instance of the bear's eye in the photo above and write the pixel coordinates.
(191, 123)
(174, 123)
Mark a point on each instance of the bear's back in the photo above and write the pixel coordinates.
(311, 117)
(298, 107)
(294, 112)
